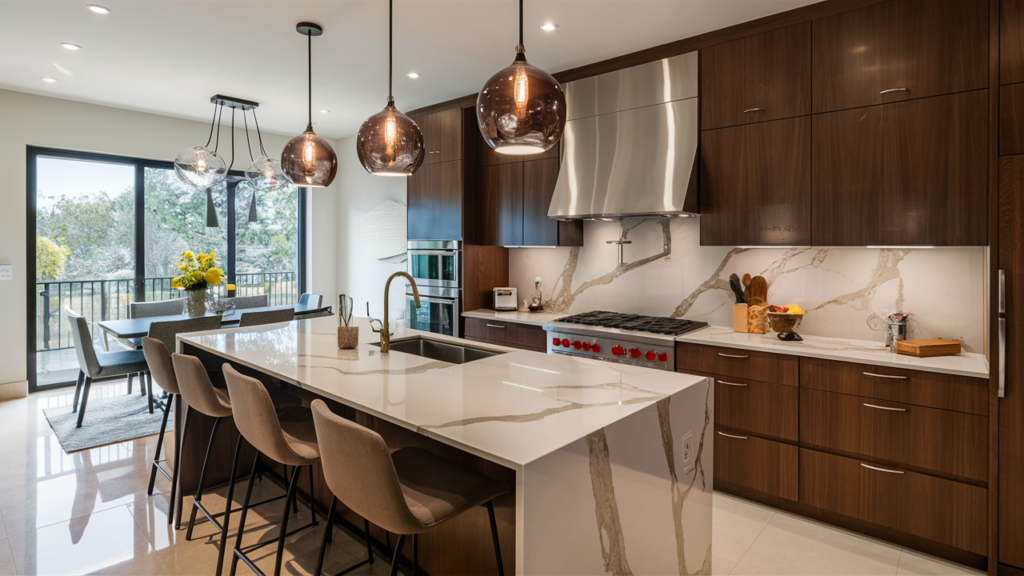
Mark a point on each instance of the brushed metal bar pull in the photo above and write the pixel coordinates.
(895, 90)
(1002, 291)
(731, 436)
(731, 383)
(886, 408)
(872, 375)
(1002, 357)
(883, 469)
(495, 326)
(732, 355)
(753, 110)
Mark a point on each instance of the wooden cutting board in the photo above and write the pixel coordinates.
(928, 348)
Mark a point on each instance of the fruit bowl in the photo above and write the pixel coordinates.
(785, 324)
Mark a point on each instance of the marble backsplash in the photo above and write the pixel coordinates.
(847, 292)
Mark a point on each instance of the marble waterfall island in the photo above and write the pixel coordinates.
(612, 464)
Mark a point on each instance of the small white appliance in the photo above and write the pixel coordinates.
(505, 300)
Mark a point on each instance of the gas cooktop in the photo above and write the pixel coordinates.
(634, 322)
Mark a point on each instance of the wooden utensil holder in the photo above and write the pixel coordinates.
(348, 337)
(739, 318)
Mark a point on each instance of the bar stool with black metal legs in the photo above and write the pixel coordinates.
(285, 436)
(159, 361)
(408, 492)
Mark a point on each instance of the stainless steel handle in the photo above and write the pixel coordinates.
(886, 408)
(732, 356)
(495, 326)
(731, 383)
(753, 110)
(415, 252)
(1002, 291)
(731, 436)
(895, 90)
(882, 469)
(871, 375)
(1002, 357)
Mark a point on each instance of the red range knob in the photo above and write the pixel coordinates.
(618, 350)
(650, 355)
(586, 346)
(634, 352)
(663, 357)
(596, 348)
(555, 341)
(577, 345)
(565, 342)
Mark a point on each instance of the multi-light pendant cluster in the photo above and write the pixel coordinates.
(520, 110)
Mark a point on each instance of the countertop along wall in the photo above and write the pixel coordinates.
(847, 292)
(28, 119)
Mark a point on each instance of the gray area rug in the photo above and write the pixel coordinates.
(107, 421)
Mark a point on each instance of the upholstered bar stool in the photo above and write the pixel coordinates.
(286, 436)
(408, 492)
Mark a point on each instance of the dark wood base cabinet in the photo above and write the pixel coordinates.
(762, 465)
(511, 334)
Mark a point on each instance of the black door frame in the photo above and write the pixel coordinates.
(140, 164)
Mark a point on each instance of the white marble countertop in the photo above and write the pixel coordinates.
(512, 408)
(841, 349)
(520, 317)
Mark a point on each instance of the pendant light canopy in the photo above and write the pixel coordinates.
(308, 159)
(389, 143)
(521, 109)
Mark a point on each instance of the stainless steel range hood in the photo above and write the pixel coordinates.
(630, 143)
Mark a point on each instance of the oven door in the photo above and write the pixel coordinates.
(436, 266)
(437, 314)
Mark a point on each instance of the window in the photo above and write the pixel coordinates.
(107, 231)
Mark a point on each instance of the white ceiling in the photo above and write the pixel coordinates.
(169, 57)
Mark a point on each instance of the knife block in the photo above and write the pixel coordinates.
(739, 318)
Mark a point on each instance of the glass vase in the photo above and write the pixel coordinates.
(195, 302)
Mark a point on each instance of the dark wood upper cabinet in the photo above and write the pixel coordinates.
(899, 50)
(442, 135)
(756, 184)
(539, 177)
(911, 173)
(435, 202)
(501, 204)
(1011, 41)
(756, 79)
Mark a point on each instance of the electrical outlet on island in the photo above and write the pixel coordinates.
(687, 452)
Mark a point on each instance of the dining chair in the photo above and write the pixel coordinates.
(96, 364)
(167, 332)
(407, 492)
(314, 300)
(148, 310)
(267, 317)
(243, 302)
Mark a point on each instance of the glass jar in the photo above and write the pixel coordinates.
(195, 302)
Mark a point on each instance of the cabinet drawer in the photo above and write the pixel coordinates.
(745, 364)
(940, 510)
(506, 333)
(942, 441)
(759, 408)
(959, 393)
(758, 464)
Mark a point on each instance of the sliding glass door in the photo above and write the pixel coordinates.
(104, 231)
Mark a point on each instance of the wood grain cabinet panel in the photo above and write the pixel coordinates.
(757, 79)
(931, 440)
(539, 178)
(756, 184)
(1011, 41)
(442, 135)
(911, 173)
(943, 511)
(899, 50)
(516, 335)
(736, 363)
(945, 391)
(500, 189)
(435, 202)
(763, 465)
(1011, 119)
(760, 408)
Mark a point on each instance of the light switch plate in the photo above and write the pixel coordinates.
(6, 272)
(687, 452)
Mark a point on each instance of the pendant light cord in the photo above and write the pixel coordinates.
(521, 23)
(232, 140)
(248, 142)
(391, 52)
(258, 135)
(309, 62)
(216, 145)
(212, 122)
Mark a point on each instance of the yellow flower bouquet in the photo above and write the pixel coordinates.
(198, 272)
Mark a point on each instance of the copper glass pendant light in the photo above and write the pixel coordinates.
(521, 109)
(308, 159)
(389, 143)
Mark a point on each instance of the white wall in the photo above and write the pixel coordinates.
(35, 120)
(359, 275)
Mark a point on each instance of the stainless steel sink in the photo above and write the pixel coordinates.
(443, 351)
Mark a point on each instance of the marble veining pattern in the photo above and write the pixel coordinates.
(847, 291)
(609, 527)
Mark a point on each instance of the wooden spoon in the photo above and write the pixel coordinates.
(746, 287)
(759, 288)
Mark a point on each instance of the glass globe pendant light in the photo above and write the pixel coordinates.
(264, 173)
(308, 159)
(199, 166)
(389, 143)
(521, 109)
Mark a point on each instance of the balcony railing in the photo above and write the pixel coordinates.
(99, 300)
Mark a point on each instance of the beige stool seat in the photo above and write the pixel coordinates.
(436, 489)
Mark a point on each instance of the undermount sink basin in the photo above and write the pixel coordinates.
(443, 351)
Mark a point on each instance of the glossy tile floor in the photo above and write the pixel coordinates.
(88, 513)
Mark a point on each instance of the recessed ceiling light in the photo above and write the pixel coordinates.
(70, 46)
(98, 9)
(413, 75)
(48, 80)
(62, 69)
(548, 27)
(325, 111)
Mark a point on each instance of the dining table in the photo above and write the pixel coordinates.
(128, 328)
